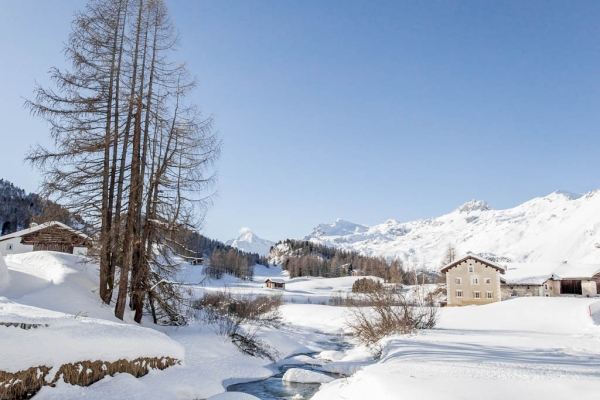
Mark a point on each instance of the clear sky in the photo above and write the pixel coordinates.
(362, 110)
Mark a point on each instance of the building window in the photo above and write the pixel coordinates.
(547, 295)
(475, 281)
(477, 295)
(9, 246)
(488, 280)
(471, 269)
(490, 295)
(458, 281)
(546, 286)
(459, 293)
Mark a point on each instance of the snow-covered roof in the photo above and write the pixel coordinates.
(482, 260)
(567, 270)
(529, 273)
(40, 227)
(538, 273)
(275, 280)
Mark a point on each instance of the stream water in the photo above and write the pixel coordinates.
(275, 388)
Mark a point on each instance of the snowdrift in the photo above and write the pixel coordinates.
(47, 337)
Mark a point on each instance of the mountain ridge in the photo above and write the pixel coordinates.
(560, 226)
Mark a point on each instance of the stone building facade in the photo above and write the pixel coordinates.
(473, 280)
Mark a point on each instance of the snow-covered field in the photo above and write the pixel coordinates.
(521, 349)
(527, 348)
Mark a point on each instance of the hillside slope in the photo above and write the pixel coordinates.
(557, 227)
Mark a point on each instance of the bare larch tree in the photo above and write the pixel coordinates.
(131, 154)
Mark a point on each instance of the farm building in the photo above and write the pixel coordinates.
(52, 236)
(551, 279)
(470, 277)
(275, 283)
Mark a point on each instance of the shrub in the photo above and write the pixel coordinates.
(364, 285)
(240, 317)
(381, 312)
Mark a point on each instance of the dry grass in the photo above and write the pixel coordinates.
(24, 384)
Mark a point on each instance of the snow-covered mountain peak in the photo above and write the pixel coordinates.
(339, 227)
(248, 241)
(559, 226)
(567, 194)
(474, 205)
(246, 235)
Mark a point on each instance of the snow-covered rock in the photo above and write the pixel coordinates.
(233, 396)
(305, 376)
(250, 243)
(301, 359)
(331, 355)
(560, 226)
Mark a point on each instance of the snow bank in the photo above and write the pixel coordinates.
(57, 338)
(301, 360)
(325, 319)
(3, 275)
(233, 396)
(305, 376)
(557, 315)
(519, 349)
(48, 265)
(331, 355)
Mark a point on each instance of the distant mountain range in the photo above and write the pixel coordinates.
(558, 227)
(250, 243)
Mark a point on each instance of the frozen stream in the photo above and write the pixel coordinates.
(275, 388)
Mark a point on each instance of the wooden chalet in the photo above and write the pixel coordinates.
(50, 236)
(275, 284)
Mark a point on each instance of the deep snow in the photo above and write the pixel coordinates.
(521, 349)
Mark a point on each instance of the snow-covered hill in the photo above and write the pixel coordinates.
(249, 242)
(560, 226)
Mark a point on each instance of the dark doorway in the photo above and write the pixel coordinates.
(6, 228)
(570, 287)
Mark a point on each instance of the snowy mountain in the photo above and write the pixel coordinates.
(250, 243)
(560, 226)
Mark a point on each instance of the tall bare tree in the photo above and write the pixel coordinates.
(131, 154)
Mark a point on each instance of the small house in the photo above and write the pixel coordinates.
(50, 236)
(275, 284)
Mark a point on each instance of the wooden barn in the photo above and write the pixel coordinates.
(275, 284)
(50, 236)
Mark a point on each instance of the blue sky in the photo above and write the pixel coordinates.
(360, 110)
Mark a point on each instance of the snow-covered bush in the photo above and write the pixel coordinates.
(240, 317)
(381, 312)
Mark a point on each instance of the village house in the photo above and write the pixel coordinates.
(275, 284)
(472, 280)
(52, 236)
(463, 280)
